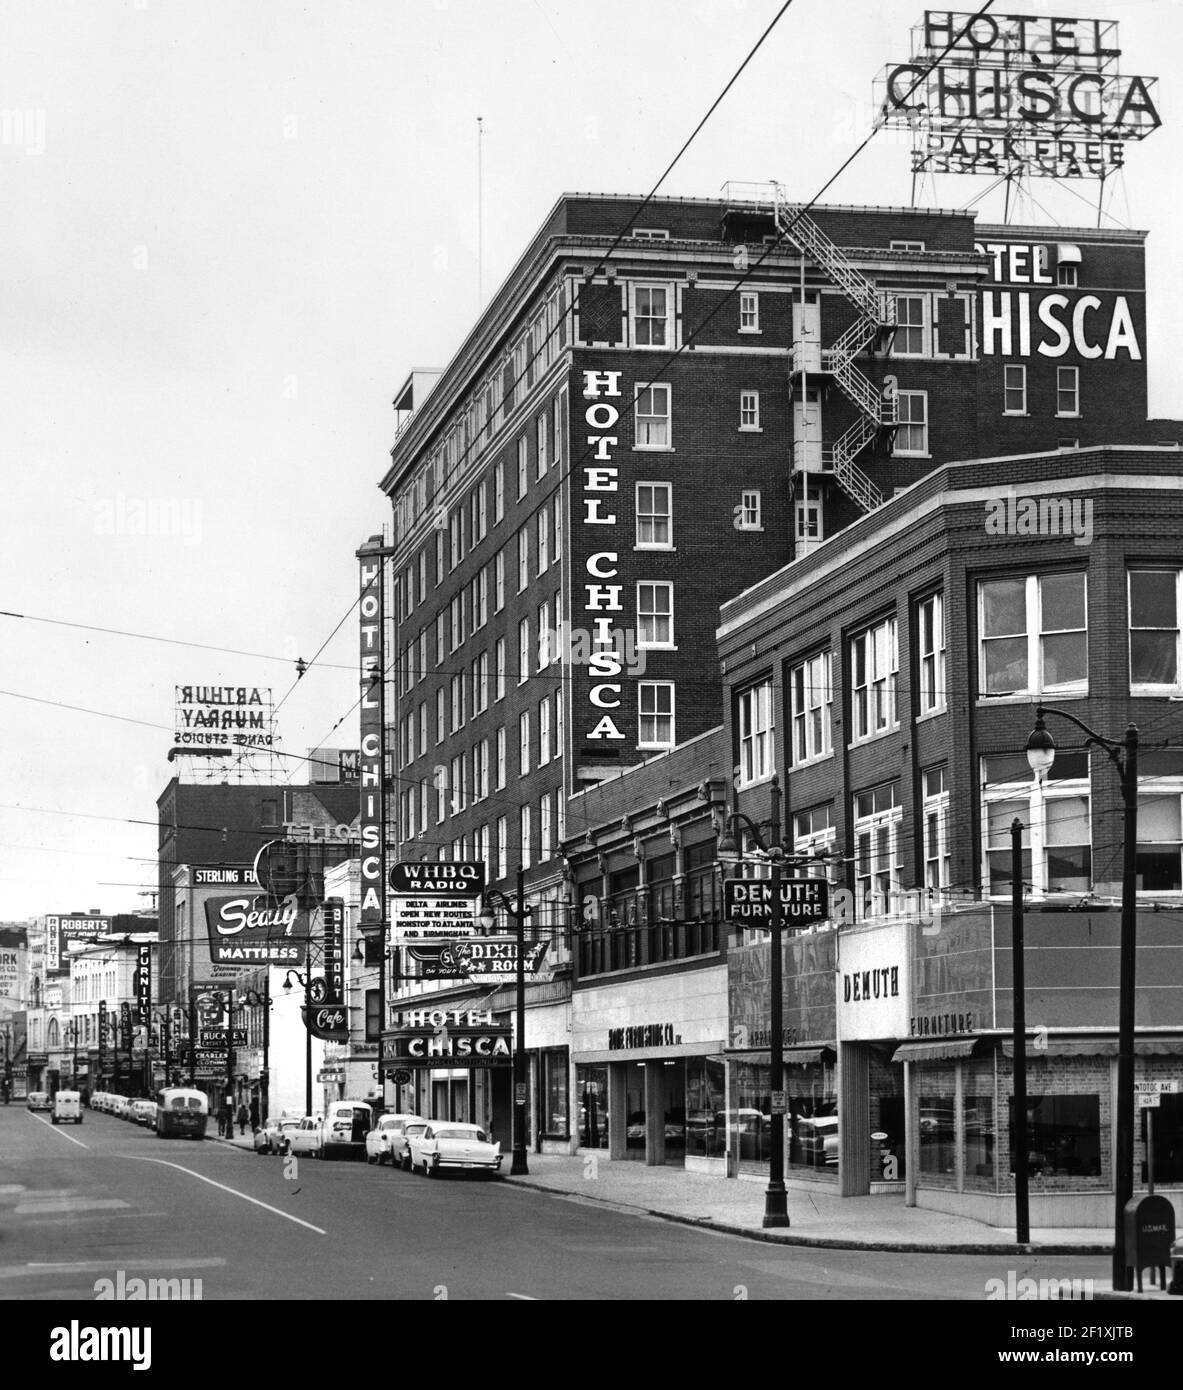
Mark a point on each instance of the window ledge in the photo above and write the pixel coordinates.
(908, 454)
(1069, 415)
(931, 714)
(813, 761)
(754, 332)
(751, 429)
(656, 647)
(653, 545)
(1027, 697)
(653, 449)
(1017, 414)
(873, 738)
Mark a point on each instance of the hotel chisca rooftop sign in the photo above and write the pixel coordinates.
(1011, 94)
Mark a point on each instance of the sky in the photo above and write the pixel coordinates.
(230, 232)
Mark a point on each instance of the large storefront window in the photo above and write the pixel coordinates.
(1168, 1140)
(554, 1093)
(591, 1084)
(706, 1122)
(1063, 1136)
(812, 1122)
(979, 1137)
(938, 1134)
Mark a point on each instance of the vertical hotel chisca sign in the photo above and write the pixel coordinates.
(1013, 94)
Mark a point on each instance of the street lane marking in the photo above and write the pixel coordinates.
(35, 1205)
(62, 1132)
(234, 1192)
(41, 1267)
(525, 1297)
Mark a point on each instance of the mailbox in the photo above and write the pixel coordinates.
(1149, 1234)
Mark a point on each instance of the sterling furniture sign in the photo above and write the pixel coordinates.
(1017, 94)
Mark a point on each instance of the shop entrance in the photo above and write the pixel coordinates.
(449, 1099)
(673, 1093)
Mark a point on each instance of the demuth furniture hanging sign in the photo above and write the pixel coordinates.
(1016, 94)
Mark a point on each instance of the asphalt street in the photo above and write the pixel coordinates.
(83, 1203)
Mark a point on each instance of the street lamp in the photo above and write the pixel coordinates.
(253, 999)
(1123, 754)
(776, 1197)
(72, 1034)
(519, 914)
(306, 981)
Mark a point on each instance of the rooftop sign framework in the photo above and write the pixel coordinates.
(1017, 94)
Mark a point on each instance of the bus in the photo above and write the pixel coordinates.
(181, 1111)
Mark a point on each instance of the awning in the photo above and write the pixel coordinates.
(939, 1050)
(1067, 254)
(793, 1057)
(1095, 1047)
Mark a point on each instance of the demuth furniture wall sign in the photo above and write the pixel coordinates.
(874, 984)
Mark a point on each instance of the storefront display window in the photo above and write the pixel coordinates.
(1168, 1140)
(1063, 1136)
(811, 1142)
(554, 1093)
(979, 1136)
(591, 1084)
(706, 1122)
(634, 1110)
(938, 1134)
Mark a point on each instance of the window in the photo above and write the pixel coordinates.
(1066, 276)
(456, 537)
(498, 492)
(423, 728)
(502, 846)
(814, 833)
(440, 729)
(545, 828)
(523, 467)
(911, 436)
(756, 752)
(935, 796)
(749, 410)
(480, 684)
(523, 650)
(931, 623)
(441, 624)
(544, 732)
(807, 523)
(655, 614)
(910, 326)
(1056, 841)
(655, 710)
(653, 417)
(543, 540)
(559, 731)
(652, 305)
(524, 742)
(1154, 631)
(1067, 390)
(747, 517)
(907, 246)
(457, 703)
(655, 505)
(499, 581)
(874, 662)
(749, 312)
(422, 574)
(1063, 1135)
(479, 600)
(500, 756)
(439, 555)
(540, 430)
(650, 233)
(480, 770)
(456, 621)
(523, 557)
(811, 698)
(458, 783)
(499, 663)
(545, 636)
(557, 530)
(524, 836)
(1014, 390)
(1034, 634)
(877, 863)
(480, 521)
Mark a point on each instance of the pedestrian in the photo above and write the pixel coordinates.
(243, 1116)
(225, 1124)
(254, 1113)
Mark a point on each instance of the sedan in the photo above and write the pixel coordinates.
(400, 1144)
(305, 1137)
(444, 1144)
(274, 1136)
(143, 1112)
(380, 1140)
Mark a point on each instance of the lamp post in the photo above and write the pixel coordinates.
(254, 999)
(306, 981)
(776, 1199)
(7, 1064)
(72, 1034)
(1019, 991)
(1123, 754)
(519, 914)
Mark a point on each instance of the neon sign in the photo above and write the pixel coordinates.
(1017, 94)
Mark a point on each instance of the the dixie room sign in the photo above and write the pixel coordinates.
(873, 982)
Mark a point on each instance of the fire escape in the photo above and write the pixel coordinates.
(873, 327)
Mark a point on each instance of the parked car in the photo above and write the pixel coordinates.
(67, 1105)
(38, 1100)
(120, 1107)
(381, 1137)
(304, 1139)
(400, 1144)
(445, 1144)
(344, 1128)
(273, 1137)
(142, 1112)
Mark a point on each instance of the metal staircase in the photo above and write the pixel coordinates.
(875, 319)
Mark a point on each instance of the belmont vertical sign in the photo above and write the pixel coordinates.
(371, 771)
(334, 951)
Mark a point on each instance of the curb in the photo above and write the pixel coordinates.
(832, 1242)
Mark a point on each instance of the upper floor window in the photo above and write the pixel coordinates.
(749, 312)
(1034, 634)
(523, 467)
(540, 427)
(654, 511)
(874, 666)
(498, 492)
(907, 246)
(754, 708)
(523, 557)
(655, 614)
(1066, 276)
(911, 436)
(878, 861)
(810, 700)
(652, 315)
(747, 516)
(1159, 863)
(1154, 631)
(1055, 815)
(814, 833)
(653, 417)
(655, 714)
(650, 233)
(1014, 390)
(523, 651)
(543, 539)
(1067, 390)
(935, 810)
(911, 322)
(749, 410)
(930, 617)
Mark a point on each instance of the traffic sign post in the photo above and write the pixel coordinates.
(1148, 1095)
